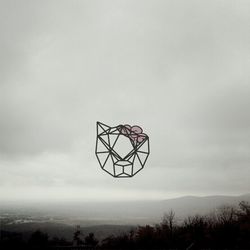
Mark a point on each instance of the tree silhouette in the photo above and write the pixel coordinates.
(39, 239)
(90, 240)
(77, 240)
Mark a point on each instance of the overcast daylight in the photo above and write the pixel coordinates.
(178, 69)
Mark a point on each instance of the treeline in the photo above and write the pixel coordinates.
(41, 240)
(227, 228)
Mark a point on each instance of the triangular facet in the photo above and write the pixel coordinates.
(105, 140)
(114, 130)
(144, 146)
(143, 157)
(113, 139)
(109, 166)
(102, 157)
(101, 127)
(130, 155)
(136, 165)
(100, 147)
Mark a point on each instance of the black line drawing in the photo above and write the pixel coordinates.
(123, 150)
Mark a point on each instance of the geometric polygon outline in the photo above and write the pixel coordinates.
(109, 159)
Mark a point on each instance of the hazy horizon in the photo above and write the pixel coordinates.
(33, 214)
(178, 69)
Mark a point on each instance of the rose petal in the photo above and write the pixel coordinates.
(136, 129)
(127, 126)
(141, 137)
(126, 129)
(133, 136)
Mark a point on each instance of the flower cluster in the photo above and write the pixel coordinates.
(133, 132)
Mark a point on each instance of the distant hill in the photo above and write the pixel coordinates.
(141, 212)
(94, 213)
(190, 205)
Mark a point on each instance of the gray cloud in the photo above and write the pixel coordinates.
(179, 69)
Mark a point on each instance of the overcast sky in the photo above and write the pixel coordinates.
(179, 69)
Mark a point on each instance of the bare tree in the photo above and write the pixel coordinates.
(169, 220)
(245, 207)
(227, 214)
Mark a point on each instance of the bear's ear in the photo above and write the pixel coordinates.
(101, 128)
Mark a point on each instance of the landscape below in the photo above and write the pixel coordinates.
(213, 222)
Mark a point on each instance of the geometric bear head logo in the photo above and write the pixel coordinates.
(123, 150)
